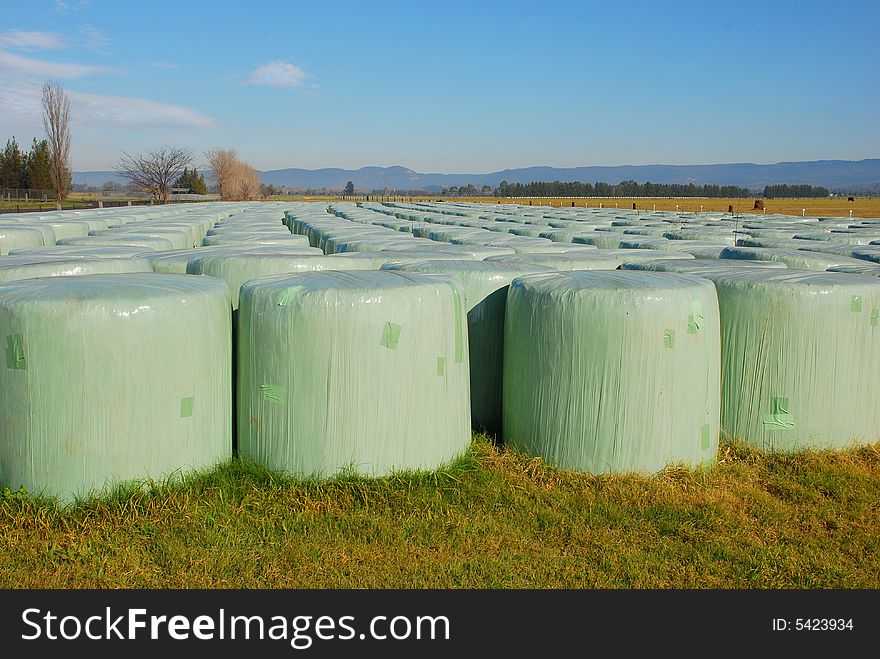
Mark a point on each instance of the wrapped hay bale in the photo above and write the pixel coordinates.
(14, 237)
(612, 371)
(698, 265)
(485, 286)
(75, 267)
(236, 269)
(256, 239)
(104, 382)
(588, 260)
(795, 259)
(374, 374)
(800, 357)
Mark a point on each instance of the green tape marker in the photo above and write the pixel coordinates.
(390, 336)
(441, 365)
(856, 303)
(186, 406)
(15, 358)
(704, 438)
(273, 393)
(695, 320)
(288, 295)
(779, 418)
(669, 338)
(875, 315)
(459, 318)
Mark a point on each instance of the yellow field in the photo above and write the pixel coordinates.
(833, 207)
(836, 207)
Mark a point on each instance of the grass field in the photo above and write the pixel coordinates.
(493, 519)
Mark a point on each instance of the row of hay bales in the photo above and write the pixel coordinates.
(372, 337)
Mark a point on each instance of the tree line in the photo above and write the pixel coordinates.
(20, 169)
(622, 189)
(789, 191)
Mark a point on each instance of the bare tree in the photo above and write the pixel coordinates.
(155, 171)
(56, 123)
(223, 164)
(234, 178)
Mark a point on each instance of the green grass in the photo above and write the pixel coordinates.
(494, 519)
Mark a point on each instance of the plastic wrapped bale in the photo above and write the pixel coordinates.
(13, 237)
(71, 251)
(485, 286)
(601, 239)
(178, 260)
(795, 259)
(178, 239)
(725, 236)
(378, 259)
(698, 265)
(800, 357)
(144, 242)
(236, 269)
(374, 376)
(52, 267)
(867, 253)
(256, 239)
(612, 371)
(871, 269)
(589, 260)
(69, 229)
(636, 255)
(104, 382)
(842, 237)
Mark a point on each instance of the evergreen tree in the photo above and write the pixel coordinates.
(349, 189)
(39, 174)
(197, 183)
(12, 166)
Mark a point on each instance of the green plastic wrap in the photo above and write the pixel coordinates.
(145, 242)
(69, 229)
(256, 239)
(177, 261)
(52, 267)
(70, 251)
(588, 260)
(698, 265)
(485, 286)
(178, 239)
(795, 259)
(363, 371)
(13, 237)
(844, 237)
(612, 371)
(867, 269)
(601, 239)
(104, 382)
(236, 269)
(800, 357)
(378, 259)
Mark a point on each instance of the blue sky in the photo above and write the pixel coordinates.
(451, 86)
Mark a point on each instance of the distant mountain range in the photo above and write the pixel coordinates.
(853, 175)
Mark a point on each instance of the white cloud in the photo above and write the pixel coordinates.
(278, 74)
(94, 39)
(65, 6)
(25, 40)
(25, 65)
(132, 112)
(21, 101)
